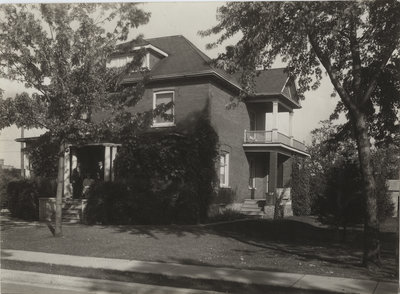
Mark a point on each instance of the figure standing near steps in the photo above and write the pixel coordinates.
(77, 183)
(100, 171)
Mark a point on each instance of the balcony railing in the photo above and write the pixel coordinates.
(268, 137)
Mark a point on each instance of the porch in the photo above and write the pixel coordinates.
(269, 179)
(270, 173)
(85, 164)
(271, 129)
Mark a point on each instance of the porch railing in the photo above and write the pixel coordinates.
(257, 136)
(299, 145)
(265, 137)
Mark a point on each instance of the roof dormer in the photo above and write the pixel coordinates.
(151, 57)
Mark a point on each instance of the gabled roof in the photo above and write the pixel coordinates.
(185, 59)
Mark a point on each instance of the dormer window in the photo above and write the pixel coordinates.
(152, 56)
(120, 61)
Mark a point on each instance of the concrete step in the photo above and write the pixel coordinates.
(250, 205)
(250, 209)
(260, 213)
(253, 201)
(72, 207)
(72, 210)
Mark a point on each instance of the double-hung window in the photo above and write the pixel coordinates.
(163, 103)
(224, 170)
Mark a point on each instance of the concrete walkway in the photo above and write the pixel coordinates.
(264, 278)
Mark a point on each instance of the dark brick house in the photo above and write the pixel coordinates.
(255, 155)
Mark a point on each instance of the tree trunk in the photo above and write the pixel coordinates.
(60, 186)
(371, 256)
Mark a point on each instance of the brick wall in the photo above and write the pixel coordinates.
(191, 98)
(229, 125)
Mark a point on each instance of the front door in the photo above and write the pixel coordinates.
(257, 174)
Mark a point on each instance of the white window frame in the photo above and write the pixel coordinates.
(224, 184)
(164, 124)
(252, 171)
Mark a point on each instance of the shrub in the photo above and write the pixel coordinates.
(7, 176)
(109, 203)
(224, 196)
(23, 199)
(343, 203)
(300, 187)
(43, 154)
(187, 207)
(227, 215)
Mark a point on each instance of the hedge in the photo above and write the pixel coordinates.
(23, 197)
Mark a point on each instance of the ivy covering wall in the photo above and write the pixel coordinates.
(167, 175)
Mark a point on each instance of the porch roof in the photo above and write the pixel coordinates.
(106, 144)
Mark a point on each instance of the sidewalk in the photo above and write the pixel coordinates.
(173, 270)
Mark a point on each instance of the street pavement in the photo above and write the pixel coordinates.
(281, 282)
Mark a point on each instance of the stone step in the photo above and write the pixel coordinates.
(251, 201)
(251, 208)
(245, 205)
(68, 212)
(72, 207)
(260, 213)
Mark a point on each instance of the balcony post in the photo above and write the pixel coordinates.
(244, 138)
(275, 121)
(291, 127)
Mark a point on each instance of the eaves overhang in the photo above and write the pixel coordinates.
(260, 97)
(206, 73)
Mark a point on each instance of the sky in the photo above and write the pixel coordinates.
(187, 19)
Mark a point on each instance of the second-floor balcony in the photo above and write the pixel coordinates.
(273, 138)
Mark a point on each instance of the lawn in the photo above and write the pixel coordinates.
(298, 245)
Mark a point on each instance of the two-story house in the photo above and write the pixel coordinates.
(254, 154)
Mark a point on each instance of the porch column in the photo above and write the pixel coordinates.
(113, 155)
(27, 170)
(74, 160)
(273, 176)
(67, 172)
(275, 121)
(107, 163)
(291, 127)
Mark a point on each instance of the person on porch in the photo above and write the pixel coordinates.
(87, 182)
(100, 171)
(77, 182)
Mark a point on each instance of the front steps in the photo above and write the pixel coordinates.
(254, 207)
(258, 207)
(72, 209)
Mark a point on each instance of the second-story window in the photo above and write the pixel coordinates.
(163, 103)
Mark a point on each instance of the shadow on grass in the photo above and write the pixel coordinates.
(153, 230)
(282, 238)
(264, 244)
